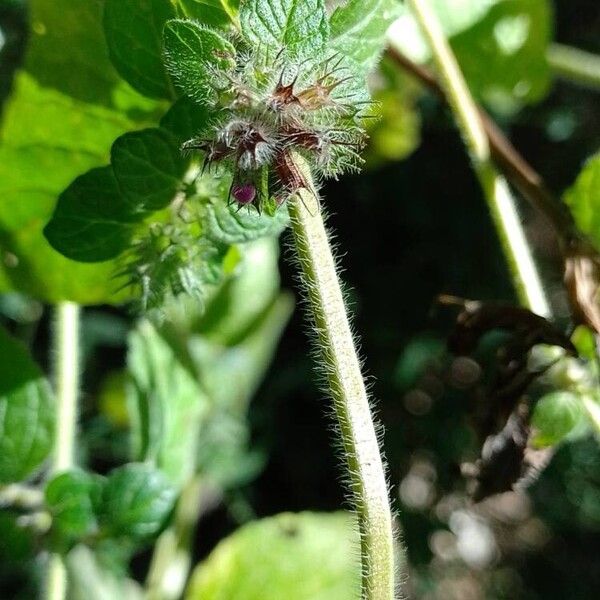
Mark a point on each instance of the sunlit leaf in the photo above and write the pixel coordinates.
(305, 556)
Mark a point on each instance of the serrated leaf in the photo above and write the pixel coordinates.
(149, 168)
(185, 119)
(56, 126)
(230, 225)
(194, 54)
(73, 499)
(358, 29)
(216, 13)
(583, 198)
(136, 501)
(304, 556)
(133, 30)
(555, 416)
(26, 413)
(91, 222)
(299, 26)
(166, 403)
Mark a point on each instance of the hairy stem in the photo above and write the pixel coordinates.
(354, 419)
(66, 374)
(497, 193)
(575, 65)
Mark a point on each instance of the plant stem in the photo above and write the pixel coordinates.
(506, 157)
(497, 193)
(575, 65)
(171, 559)
(354, 420)
(66, 350)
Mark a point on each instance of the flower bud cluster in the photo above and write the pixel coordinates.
(266, 112)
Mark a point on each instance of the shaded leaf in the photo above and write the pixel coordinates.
(167, 404)
(149, 167)
(91, 222)
(194, 55)
(26, 413)
(230, 225)
(555, 416)
(299, 26)
(136, 501)
(133, 30)
(304, 556)
(185, 119)
(73, 499)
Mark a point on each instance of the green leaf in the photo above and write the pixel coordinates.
(299, 26)
(166, 403)
(504, 55)
(194, 55)
(583, 199)
(133, 30)
(26, 413)
(91, 222)
(216, 13)
(185, 119)
(555, 416)
(73, 499)
(57, 126)
(358, 29)
(500, 45)
(305, 556)
(230, 225)
(149, 168)
(136, 501)
(245, 296)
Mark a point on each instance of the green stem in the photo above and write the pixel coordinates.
(575, 65)
(171, 560)
(354, 420)
(497, 193)
(66, 350)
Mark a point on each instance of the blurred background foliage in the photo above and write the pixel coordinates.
(410, 227)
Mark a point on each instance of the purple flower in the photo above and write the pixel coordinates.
(244, 193)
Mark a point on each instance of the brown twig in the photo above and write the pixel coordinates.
(518, 171)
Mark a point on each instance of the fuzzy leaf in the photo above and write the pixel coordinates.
(358, 29)
(555, 416)
(26, 413)
(299, 26)
(583, 199)
(216, 13)
(133, 30)
(193, 55)
(304, 556)
(149, 167)
(185, 119)
(136, 501)
(229, 225)
(73, 499)
(91, 222)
